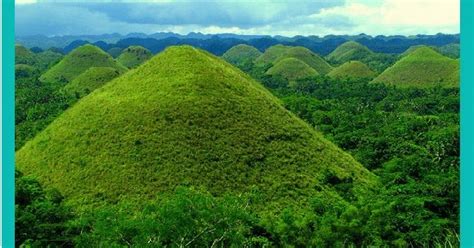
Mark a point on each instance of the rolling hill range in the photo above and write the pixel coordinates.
(271, 54)
(77, 62)
(186, 117)
(292, 69)
(422, 67)
(241, 54)
(308, 57)
(352, 69)
(93, 78)
(348, 51)
(134, 56)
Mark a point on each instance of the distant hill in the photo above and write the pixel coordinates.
(305, 55)
(90, 80)
(292, 69)
(186, 117)
(77, 62)
(134, 56)
(422, 67)
(271, 54)
(24, 56)
(450, 50)
(352, 69)
(115, 51)
(241, 54)
(348, 51)
(41, 60)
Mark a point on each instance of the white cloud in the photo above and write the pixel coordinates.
(25, 1)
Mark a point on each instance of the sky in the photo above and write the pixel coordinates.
(288, 18)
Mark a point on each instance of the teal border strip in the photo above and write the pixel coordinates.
(467, 123)
(8, 125)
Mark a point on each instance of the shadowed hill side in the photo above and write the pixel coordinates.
(93, 78)
(186, 117)
(77, 62)
(134, 56)
(422, 67)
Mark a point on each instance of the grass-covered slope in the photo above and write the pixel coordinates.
(24, 56)
(352, 69)
(91, 79)
(271, 54)
(241, 54)
(134, 56)
(422, 67)
(77, 62)
(186, 117)
(292, 69)
(348, 51)
(450, 50)
(308, 57)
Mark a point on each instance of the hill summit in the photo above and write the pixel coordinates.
(308, 57)
(292, 69)
(186, 117)
(348, 51)
(77, 62)
(422, 67)
(134, 56)
(352, 69)
(241, 54)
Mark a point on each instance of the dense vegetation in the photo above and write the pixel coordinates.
(188, 151)
(134, 56)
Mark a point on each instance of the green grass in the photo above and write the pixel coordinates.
(308, 57)
(186, 117)
(24, 56)
(422, 67)
(352, 69)
(348, 51)
(133, 56)
(292, 69)
(77, 62)
(40, 61)
(240, 54)
(271, 54)
(90, 80)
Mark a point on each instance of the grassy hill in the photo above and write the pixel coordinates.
(41, 61)
(24, 56)
(186, 117)
(292, 69)
(115, 51)
(450, 50)
(77, 62)
(271, 54)
(134, 56)
(422, 67)
(90, 80)
(241, 54)
(352, 69)
(308, 57)
(348, 51)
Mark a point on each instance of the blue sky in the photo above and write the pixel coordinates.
(300, 17)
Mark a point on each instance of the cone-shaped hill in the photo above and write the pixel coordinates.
(348, 51)
(292, 69)
(305, 55)
(271, 54)
(241, 53)
(186, 117)
(93, 78)
(134, 56)
(422, 67)
(352, 69)
(77, 62)
(24, 56)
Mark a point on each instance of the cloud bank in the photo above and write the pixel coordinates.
(289, 18)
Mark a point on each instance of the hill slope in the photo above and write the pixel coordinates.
(240, 54)
(292, 69)
(271, 54)
(352, 69)
(305, 55)
(422, 67)
(348, 51)
(93, 78)
(185, 117)
(134, 56)
(77, 62)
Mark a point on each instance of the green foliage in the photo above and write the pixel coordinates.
(115, 51)
(422, 67)
(184, 118)
(292, 69)
(450, 50)
(133, 56)
(271, 54)
(349, 51)
(241, 54)
(77, 62)
(41, 61)
(186, 218)
(93, 78)
(352, 69)
(308, 57)
(40, 217)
